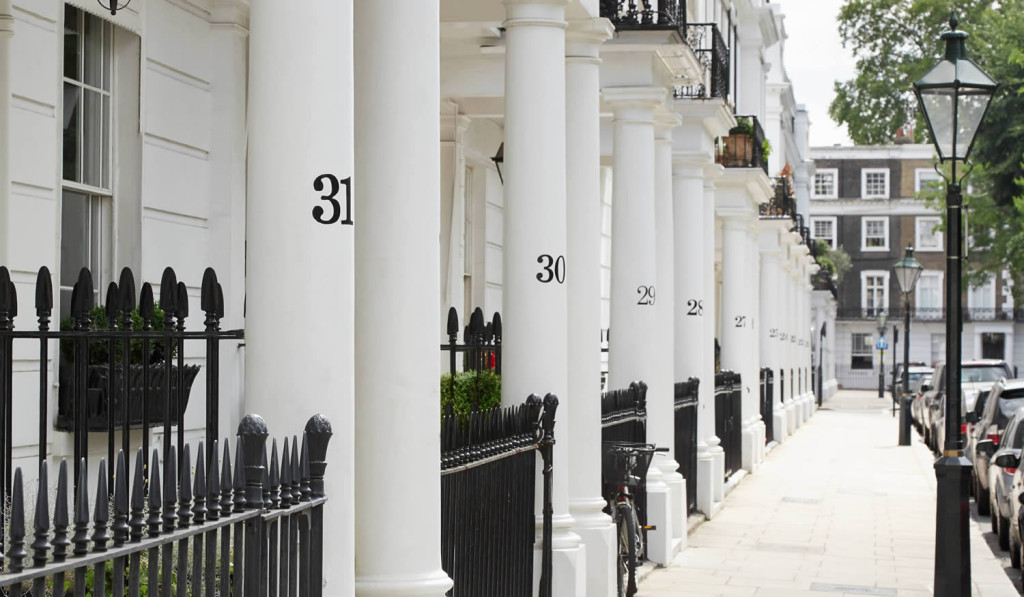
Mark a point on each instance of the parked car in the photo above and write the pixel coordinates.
(975, 376)
(1004, 400)
(917, 399)
(916, 371)
(972, 417)
(1001, 473)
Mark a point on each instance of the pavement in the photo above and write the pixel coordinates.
(837, 509)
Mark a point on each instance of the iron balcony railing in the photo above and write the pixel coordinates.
(744, 146)
(709, 46)
(782, 203)
(645, 15)
(935, 313)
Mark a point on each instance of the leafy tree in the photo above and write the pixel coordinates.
(895, 42)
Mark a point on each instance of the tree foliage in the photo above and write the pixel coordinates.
(895, 42)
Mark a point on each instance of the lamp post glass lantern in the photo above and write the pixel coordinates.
(908, 271)
(114, 5)
(953, 97)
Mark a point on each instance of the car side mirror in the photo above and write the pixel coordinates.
(985, 446)
(1007, 460)
(971, 417)
(926, 388)
(1020, 498)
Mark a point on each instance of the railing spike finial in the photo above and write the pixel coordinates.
(112, 305)
(137, 522)
(60, 515)
(225, 480)
(146, 305)
(182, 301)
(220, 302)
(185, 489)
(12, 295)
(496, 326)
(85, 296)
(80, 540)
(155, 501)
(5, 301)
(120, 527)
(453, 321)
(199, 489)
(238, 499)
(169, 292)
(208, 293)
(286, 475)
(252, 431)
(213, 485)
(318, 430)
(304, 471)
(296, 472)
(44, 295)
(265, 483)
(275, 477)
(101, 515)
(169, 516)
(126, 284)
(41, 545)
(16, 552)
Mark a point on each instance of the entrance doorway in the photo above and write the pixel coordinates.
(993, 345)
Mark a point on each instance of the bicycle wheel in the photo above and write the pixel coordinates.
(627, 529)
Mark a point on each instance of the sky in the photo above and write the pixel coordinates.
(815, 59)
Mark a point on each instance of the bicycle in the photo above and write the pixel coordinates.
(624, 466)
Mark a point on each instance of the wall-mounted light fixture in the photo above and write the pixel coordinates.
(499, 159)
(114, 5)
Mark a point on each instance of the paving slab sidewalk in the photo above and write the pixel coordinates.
(837, 509)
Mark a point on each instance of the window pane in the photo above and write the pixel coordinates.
(71, 43)
(93, 50)
(101, 241)
(108, 42)
(74, 236)
(92, 149)
(72, 132)
(105, 143)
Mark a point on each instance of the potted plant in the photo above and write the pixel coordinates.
(102, 365)
(766, 149)
(739, 145)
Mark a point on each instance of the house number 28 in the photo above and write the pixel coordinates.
(335, 205)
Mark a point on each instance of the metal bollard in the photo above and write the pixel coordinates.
(904, 420)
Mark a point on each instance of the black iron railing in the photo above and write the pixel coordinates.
(822, 280)
(198, 529)
(488, 482)
(767, 404)
(95, 358)
(744, 146)
(645, 15)
(728, 419)
(624, 418)
(481, 342)
(686, 436)
(782, 205)
(709, 46)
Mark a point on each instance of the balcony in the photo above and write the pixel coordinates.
(744, 147)
(935, 314)
(782, 204)
(646, 15)
(713, 55)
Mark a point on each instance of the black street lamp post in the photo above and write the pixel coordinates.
(908, 270)
(954, 96)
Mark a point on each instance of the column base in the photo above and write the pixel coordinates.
(791, 418)
(659, 515)
(677, 486)
(952, 536)
(710, 479)
(568, 558)
(762, 441)
(431, 584)
(749, 451)
(779, 423)
(597, 534)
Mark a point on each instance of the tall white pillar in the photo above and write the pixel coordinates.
(6, 32)
(772, 304)
(632, 351)
(792, 410)
(661, 420)
(693, 305)
(534, 343)
(300, 127)
(737, 338)
(583, 251)
(752, 390)
(398, 182)
(710, 464)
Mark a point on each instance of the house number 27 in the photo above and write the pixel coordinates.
(335, 206)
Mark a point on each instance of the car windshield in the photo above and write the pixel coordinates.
(1009, 402)
(914, 376)
(981, 373)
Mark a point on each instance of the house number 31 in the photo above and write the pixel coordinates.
(335, 206)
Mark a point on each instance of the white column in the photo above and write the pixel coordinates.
(6, 32)
(694, 349)
(535, 345)
(772, 304)
(792, 414)
(632, 352)
(710, 465)
(583, 251)
(736, 337)
(299, 361)
(398, 182)
(752, 390)
(661, 420)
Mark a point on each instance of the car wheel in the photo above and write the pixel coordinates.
(1003, 531)
(993, 516)
(980, 498)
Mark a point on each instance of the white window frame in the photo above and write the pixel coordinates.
(864, 234)
(884, 274)
(928, 175)
(835, 225)
(976, 296)
(930, 274)
(864, 183)
(918, 246)
(835, 184)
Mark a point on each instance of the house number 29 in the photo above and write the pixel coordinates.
(646, 295)
(335, 205)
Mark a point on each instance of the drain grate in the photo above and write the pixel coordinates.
(853, 589)
(801, 500)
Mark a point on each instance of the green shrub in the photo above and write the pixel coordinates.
(98, 350)
(470, 390)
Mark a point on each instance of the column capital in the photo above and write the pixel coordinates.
(231, 13)
(535, 13)
(624, 100)
(689, 164)
(584, 36)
